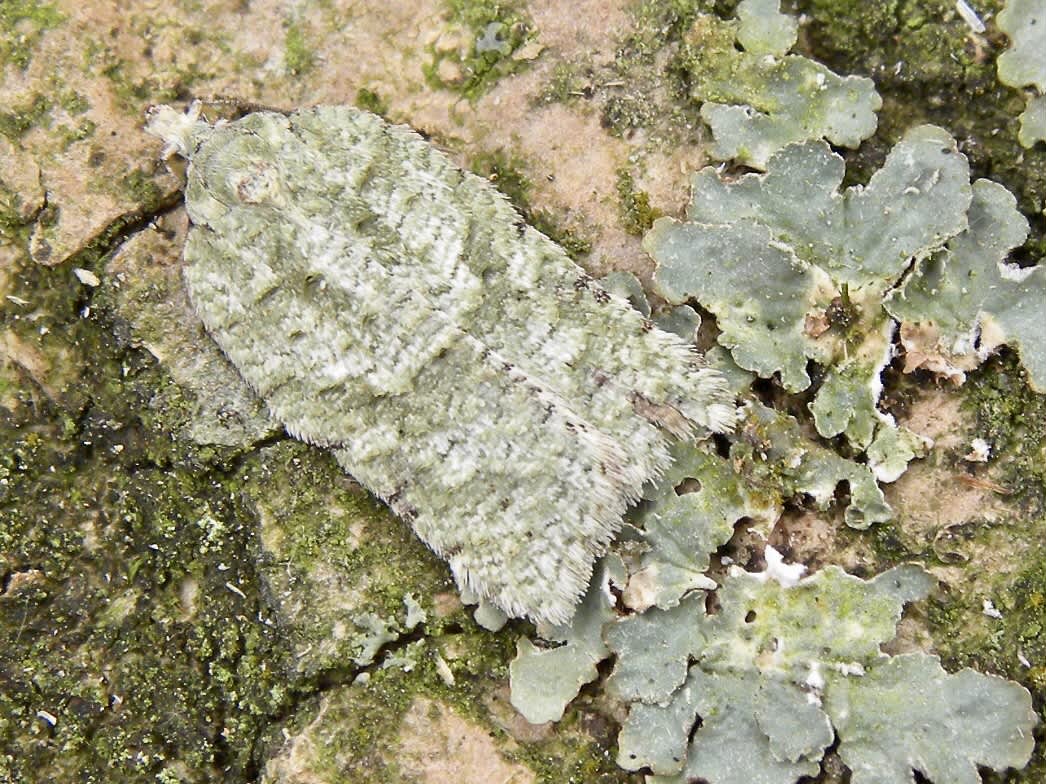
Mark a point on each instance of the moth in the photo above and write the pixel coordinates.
(395, 309)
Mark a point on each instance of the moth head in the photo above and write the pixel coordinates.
(239, 169)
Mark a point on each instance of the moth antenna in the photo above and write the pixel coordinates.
(175, 128)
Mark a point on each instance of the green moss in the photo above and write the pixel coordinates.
(73, 102)
(22, 22)
(117, 618)
(582, 749)
(497, 30)
(121, 501)
(16, 121)
(14, 228)
(361, 721)
(891, 546)
(1012, 418)
(645, 86)
(564, 84)
(626, 112)
(131, 95)
(1023, 605)
(135, 89)
(641, 88)
(297, 56)
(579, 750)
(141, 186)
(319, 519)
(477, 14)
(636, 213)
(868, 36)
(297, 483)
(863, 25)
(38, 112)
(1013, 646)
(70, 134)
(371, 101)
(668, 20)
(507, 173)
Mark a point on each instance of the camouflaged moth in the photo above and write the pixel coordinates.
(395, 309)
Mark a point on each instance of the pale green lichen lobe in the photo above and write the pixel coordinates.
(909, 714)
(545, 680)
(1023, 64)
(1024, 21)
(757, 98)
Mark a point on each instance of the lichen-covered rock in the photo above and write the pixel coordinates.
(391, 307)
(653, 649)
(801, 240)
(127, 647)
(692, 510)
(683, 526)
(770, 461)
(758, 669)
(753, 731)
(780, 462)
(686, 516)
(757, 98)
(774, 622)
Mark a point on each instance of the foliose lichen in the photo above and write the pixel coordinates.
(693, 510)
(787, 664)
(882, 720)
(545, 680)
(821, 262)
(758, 98)
(1022, 65)
(759, 687)
(959, 306)
(770, 461)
